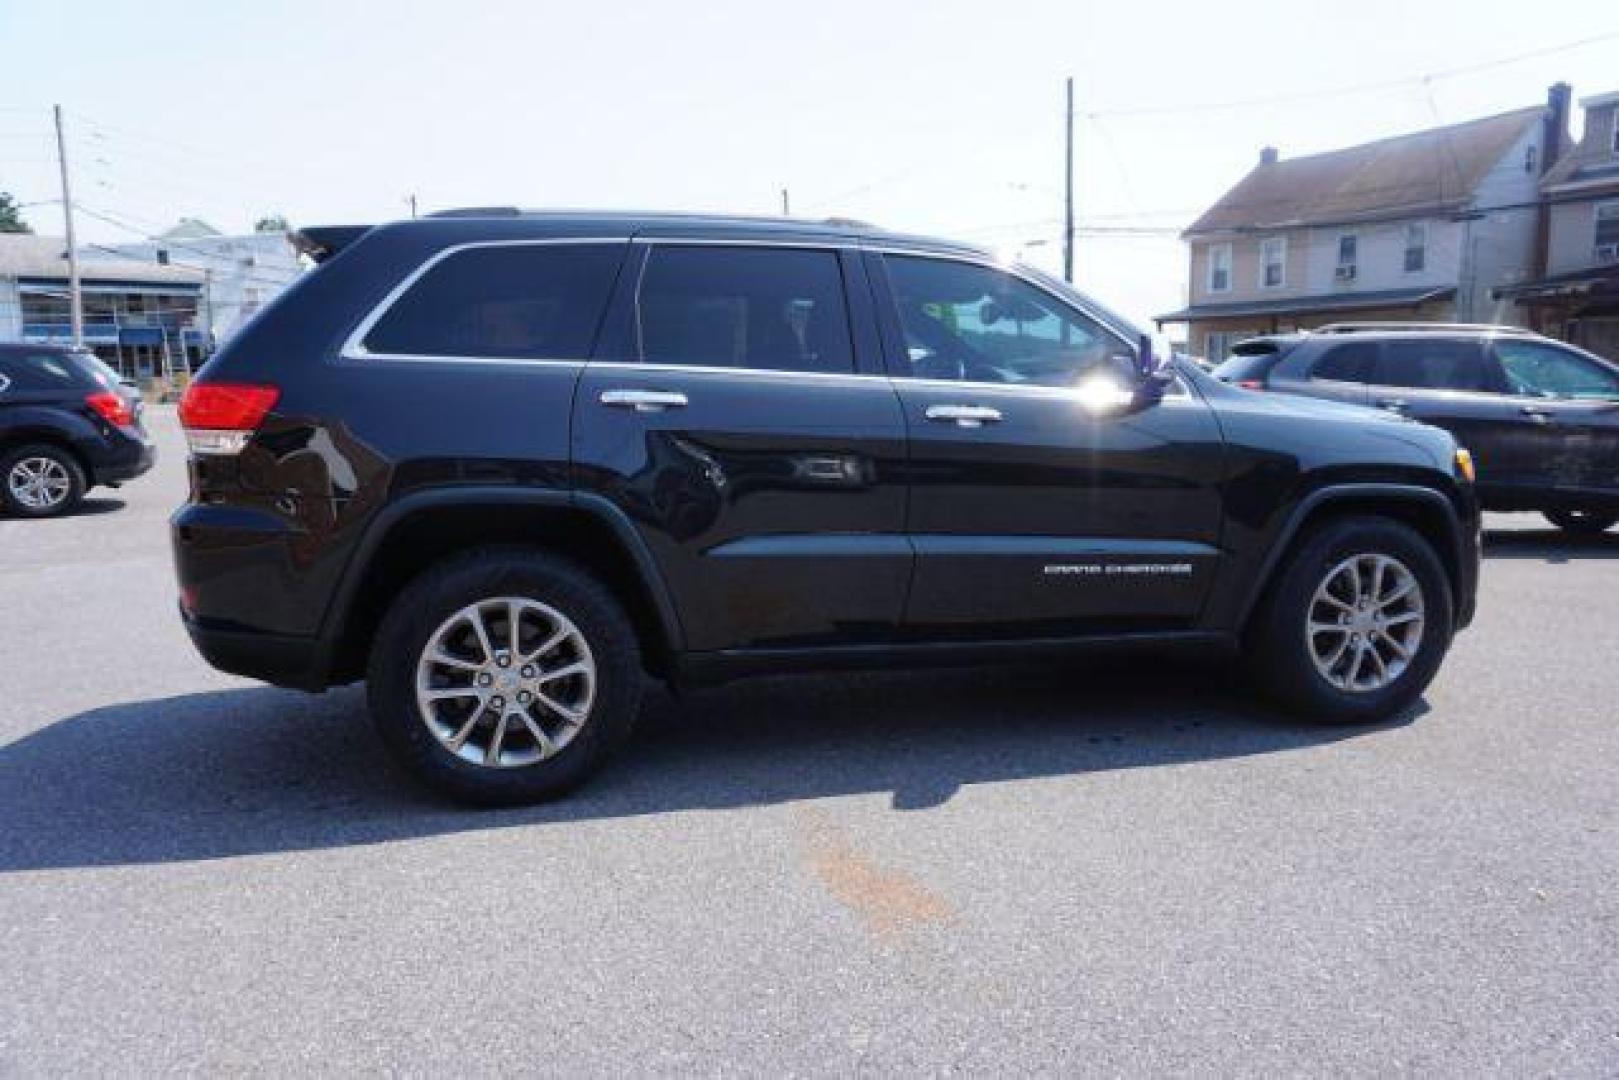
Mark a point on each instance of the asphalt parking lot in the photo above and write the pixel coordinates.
(1105, 868)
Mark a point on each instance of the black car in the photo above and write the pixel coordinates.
(499, 464)
(67, 424)
(1540, 418)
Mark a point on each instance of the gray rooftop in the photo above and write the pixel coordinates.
(23, 255)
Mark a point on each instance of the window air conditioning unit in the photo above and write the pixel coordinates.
(1345, 272)
(1608, 253)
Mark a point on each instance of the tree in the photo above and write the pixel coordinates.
(11, 215)
(271, 223)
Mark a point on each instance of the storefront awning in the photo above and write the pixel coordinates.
(1300, 305)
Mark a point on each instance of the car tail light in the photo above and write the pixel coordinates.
(1251, 384)
(219, 418)
(111, 407)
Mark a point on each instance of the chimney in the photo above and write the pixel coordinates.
(1269, 156)
(1554, 141)
(1553, 130)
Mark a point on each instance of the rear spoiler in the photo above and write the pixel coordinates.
(322, 242)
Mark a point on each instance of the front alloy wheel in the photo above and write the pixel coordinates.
(1355, 625)
(1365, 623)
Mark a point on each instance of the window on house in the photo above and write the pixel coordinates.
(1613, 142)
(1272, 262)
(1219, 267)
(1416, 247)
(1348, 255)
(1216, 345)
(1531, 158)
(1607, 231)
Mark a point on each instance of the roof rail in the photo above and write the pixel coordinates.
(1419, 327)
(476, 211)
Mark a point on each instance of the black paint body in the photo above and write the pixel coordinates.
(778, 519)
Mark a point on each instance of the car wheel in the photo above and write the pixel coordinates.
(40, 481)
(1581, 522)
(504, 676)
(1357, 623)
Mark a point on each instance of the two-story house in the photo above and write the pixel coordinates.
(1415, 227)
(1577, 296)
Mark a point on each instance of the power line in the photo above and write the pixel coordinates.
(1357, 88)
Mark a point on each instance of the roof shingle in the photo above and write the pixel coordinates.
(1406, 174)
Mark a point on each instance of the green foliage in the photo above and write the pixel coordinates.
(11, 215)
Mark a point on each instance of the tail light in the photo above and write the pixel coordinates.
(219, 418)
(111, 407)
(1251, 384)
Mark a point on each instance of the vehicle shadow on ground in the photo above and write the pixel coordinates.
(1549, 545)
(89, 506)
(255, 770)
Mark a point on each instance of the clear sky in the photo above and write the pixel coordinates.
(936, 116)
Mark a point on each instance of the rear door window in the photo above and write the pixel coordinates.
(1439, 364)
(761, 308)
(508, 301)
(1351, 362)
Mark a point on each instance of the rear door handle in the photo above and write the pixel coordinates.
(1536, 413)
(970, 416)
(644, 400)
(1393, 404)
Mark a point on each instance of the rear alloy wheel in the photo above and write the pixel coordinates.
(1357, 623)
(40, 481)
(504, 676)
(1582, 522)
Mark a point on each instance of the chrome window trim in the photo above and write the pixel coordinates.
(354, 345)
(704, 369)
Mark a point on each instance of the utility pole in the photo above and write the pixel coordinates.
(786, 207)
(75, 294)
(1068, 191)
(412, 200)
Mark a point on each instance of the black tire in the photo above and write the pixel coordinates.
(1582, 522)
(41, 452)
(431, 599)
(1279, 652)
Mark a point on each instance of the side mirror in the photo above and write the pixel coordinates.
(1157, 359)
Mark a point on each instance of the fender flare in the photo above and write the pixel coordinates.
(335, 618)
(1343, 493)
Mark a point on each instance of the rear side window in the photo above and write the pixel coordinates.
(1351, 362)
(1434, 365)
(1250, 363)
(519, 301)
(42, 371)
(774, 309)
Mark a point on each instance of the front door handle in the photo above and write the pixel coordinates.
(1536, 413)
(970, 416)
(644, 400)
(1393, 404)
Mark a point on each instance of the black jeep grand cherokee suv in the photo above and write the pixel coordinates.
(500, 463)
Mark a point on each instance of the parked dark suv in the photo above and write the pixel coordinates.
(500, 463)
(1540, 418)
(67, 424)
